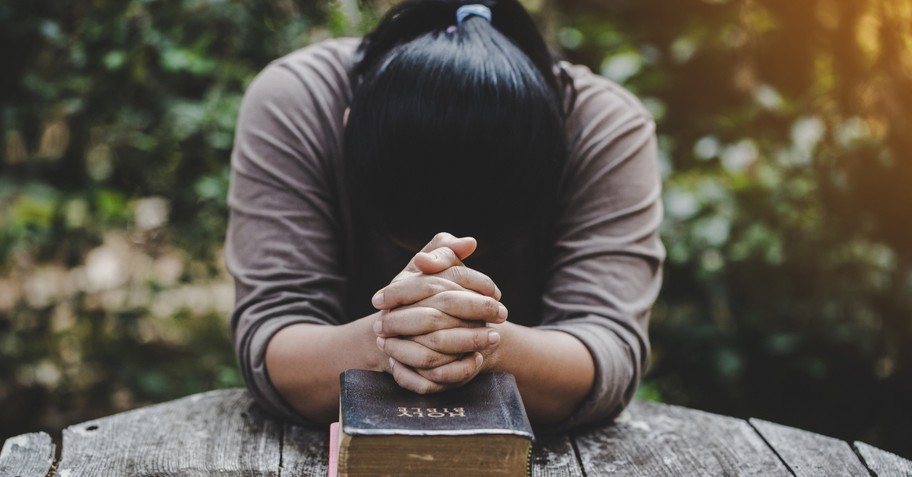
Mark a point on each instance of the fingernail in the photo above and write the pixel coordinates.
(377, 300)
(378, 327)
(478, 359)
(493, 338)
(497, 292)
(502, 312)
(381, 342)
(392, 363)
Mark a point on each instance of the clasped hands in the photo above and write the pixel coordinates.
(434, 316)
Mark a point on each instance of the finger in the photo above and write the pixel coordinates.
(409, 290)
(417, 320)
(412, 289)
(463, 246)
(467, 305)
(457, 341)
(411, 380)
(443, 262)
(436, 261)
(471, 279)
(413, 354)
(455, 373)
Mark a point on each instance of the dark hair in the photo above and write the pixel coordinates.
(457, 130)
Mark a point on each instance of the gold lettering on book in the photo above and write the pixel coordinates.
(431, 412)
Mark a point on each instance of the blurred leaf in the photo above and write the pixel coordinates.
(114, 60)
(111, 205)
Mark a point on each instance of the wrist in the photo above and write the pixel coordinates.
(374, 359)
(498, 358)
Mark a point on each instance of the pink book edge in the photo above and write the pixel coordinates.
(332, 466)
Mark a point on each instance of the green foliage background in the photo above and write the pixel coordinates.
(783, 127)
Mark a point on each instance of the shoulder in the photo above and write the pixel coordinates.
(327, 60)
(299, 100)
(318, 72)
(597, 94)
(613, 155)
(605, 122)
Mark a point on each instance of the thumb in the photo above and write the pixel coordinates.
(436, 261)
(450, 252)
(463, 247)
(442, 252)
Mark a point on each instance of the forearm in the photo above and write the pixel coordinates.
(554, 370)
(304, 362)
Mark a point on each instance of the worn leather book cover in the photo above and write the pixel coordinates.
(480, 428)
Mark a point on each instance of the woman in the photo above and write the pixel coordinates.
(449, 117)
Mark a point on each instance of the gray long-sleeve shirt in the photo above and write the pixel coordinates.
(297, 256)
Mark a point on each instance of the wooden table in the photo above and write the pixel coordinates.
(222, 433)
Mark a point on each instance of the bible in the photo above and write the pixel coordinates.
(480, 428)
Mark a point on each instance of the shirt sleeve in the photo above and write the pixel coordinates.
(607, 271)
(283, 242)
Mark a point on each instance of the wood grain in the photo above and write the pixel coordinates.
(650, 439)
(305, 451)
(553, 456)
(809, 454)
(28, 455)
(883, 463)
(219, 433)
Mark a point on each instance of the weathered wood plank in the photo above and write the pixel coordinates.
(883, 463)
(219, 433)
(809, 454)
(305, 451)
(553, 456)
(28, 455)
(650, 439)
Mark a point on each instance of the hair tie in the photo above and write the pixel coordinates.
(467, 11)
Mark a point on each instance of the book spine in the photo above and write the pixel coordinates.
(511, 405)
(528, 463)
(332, 466)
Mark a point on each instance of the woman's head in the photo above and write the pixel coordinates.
(454, 129)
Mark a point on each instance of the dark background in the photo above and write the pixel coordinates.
(785, 129)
